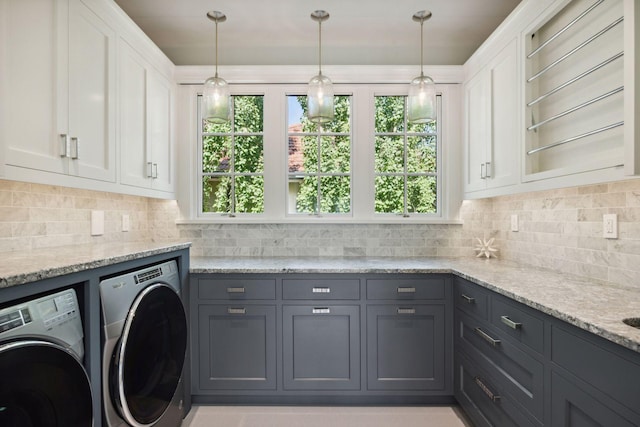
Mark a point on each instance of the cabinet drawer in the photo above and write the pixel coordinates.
(406, 289)
(321, 289)
(484, 398)
(236, 289)
(472, 299)
(518, 322)
(597, 364)
(521, 374)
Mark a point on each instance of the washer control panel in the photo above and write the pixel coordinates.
(14, 319)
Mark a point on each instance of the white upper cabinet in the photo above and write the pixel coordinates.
(491, 123)
(60, 89)
(146, 125)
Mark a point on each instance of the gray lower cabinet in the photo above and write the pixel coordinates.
(237, 347)
(321, 347)
(405, 348)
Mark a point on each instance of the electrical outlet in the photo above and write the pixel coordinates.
(125, 223)
(610, 226)
(514, 222)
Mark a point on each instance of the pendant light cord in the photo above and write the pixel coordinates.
(320, 47)
(216, 49)
(421, 47)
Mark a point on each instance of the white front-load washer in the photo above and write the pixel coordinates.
(42, 379)
(144, 346)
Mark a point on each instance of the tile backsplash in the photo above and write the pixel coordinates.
(559, 229)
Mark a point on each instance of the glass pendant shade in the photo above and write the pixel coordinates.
(421, 103)
(320, 99)
(216, 100)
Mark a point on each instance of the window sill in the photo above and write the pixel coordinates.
(319, 220)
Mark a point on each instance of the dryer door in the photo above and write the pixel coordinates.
(147, 362)
(42, 384)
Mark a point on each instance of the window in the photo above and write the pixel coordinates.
(406, 161)
(319, 160)
(232, 156)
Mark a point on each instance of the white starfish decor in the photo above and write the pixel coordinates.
(485, 248)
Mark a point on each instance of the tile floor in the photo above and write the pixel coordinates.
(325, 416)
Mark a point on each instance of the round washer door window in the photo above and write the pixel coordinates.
(42, 385)
(148, 360)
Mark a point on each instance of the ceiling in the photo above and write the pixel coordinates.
(281, 32)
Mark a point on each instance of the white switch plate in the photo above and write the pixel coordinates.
(610, 226)
(97, 223)
(514, 222)
(125, 222)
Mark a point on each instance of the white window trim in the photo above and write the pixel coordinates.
(275, 158)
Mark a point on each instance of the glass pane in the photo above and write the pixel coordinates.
(421, 154)
(422, 127)
(342, 120)
(303, 194)
(335, 194)
(247, 113)
(216, 154)
(421, 194)
(216, 194)
(335, 154)
(297, 115)
(309, 156)
(389, 154)
(389, 194)
(249, 154)
(208, 127)
(249, 194)
(389, 114)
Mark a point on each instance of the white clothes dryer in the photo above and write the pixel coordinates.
(144, 346)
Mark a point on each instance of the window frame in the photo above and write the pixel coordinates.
(362, 157)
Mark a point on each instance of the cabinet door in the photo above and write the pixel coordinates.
(321, 347)
(573, 407)
(91, 87)
(477, 102)
(27, 79)
(133, 132)
(159, 128)
(406, 348)
(502, 156)
(237, 347)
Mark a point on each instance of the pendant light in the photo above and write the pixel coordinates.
(215, 96)
(421, 102)
(320, 92)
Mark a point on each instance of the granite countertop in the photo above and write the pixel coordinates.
(22, 267)
(591, 306)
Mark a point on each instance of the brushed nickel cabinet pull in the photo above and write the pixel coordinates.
(64, 145)
(321, 310)
(149, 170)
(321, 290)
(488, 170)
(468, 299)
(406, 290)
(75, 153)
(155, 171)
(510, 323)
(488, 338)
(239, 290)
(491, 395)
(240, 310)
(406, 310)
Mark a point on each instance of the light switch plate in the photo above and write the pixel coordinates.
(610, 226)
(514, 222)
(97, 223)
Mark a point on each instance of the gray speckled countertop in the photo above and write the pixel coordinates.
(594, 307)
(22, 267)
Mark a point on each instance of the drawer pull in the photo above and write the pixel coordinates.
(321, 310)
(406, 310)
(321, 290)
(468, 299)
(235, 290)
(491, 395)
(488, 338)
(510, 323)
(240, 310)
(406, 290)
